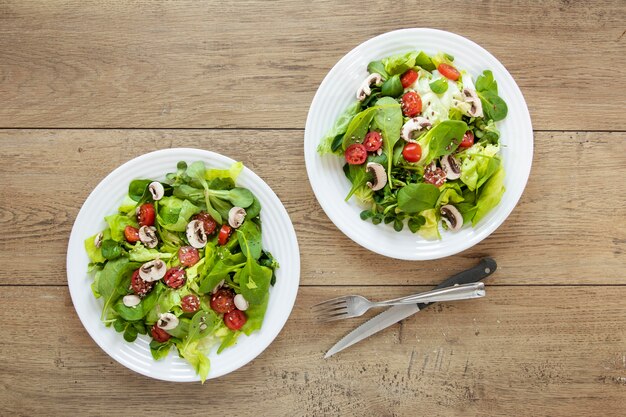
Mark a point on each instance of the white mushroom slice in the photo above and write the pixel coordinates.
(131, 300)
(153, 270)
(365, 90)
(97, 241)
(157, 190)
(380, 176)
(452, 217)
(476, 107)
(415, 124)
(451, 167)
(167, 321)
(196, 234)
(241, 303)
(217, 287)
(147, 236)
(236, 216)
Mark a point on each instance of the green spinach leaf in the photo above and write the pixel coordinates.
(388, 119)
(358, 127)
(377, 67)
(415, 198)
(392, 87)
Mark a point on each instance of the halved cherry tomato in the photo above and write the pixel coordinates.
(131, 234)
(356, 154)
(449, 71)
(139, 286)
(225, 232)
(159, 334)
(209, 224)
(408, 78)
(175, 277)
(434, 175)
(188, 256)
(190, 303)
(235, 319)
(411, 104)
(468, 139)
(223, 301)
(145, 215)
(373, 141)
(412, 152)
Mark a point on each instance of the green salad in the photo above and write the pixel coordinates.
(182, 261)
(421, 144)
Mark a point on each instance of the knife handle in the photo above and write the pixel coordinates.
(485, 267)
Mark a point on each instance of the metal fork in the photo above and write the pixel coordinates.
(355, 305)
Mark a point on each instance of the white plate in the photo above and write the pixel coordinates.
(279, 238)
(337, 91)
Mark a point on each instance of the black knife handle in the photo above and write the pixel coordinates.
(485, 267)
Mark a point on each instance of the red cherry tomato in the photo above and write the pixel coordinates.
(131, 234)
(408, 78)
(145, 215)
(225, 232)
(356, 154)
(139, 286)
(159, 334)
(235, 319)
(223, 301)
(449, 71)
(188, 256)
(175, 277)
(412, 152)
(373, 141)
(411, 104)
(468, 139)
(190, 303)
(434, 176)
(209, 224)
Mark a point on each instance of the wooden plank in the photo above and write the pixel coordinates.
(520, 351)
(569, 227)
(255, 64)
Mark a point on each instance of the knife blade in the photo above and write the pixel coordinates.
(485, 267)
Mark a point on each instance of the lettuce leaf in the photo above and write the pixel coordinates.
(174, 213)
(331, 143)
(232, 172)
(139, 253)
(117, 223)
(398, 64)
(430, 229)
(255, 314)
(478, 163)
(94, 254)
(490, 195)
(442, 139)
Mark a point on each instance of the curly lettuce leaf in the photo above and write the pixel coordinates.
(117, 223)
(398, 64)
(139, 253)
(430, 229)
(174, 213)
(331, 143)
(230, 173)
(490, 195)
(478, 163)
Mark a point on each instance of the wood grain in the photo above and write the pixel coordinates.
(254, 64)
(569, 227)
(519, 351)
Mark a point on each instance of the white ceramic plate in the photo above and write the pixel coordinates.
(279, 238)
(337, 91)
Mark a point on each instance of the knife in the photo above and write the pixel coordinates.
(485, 267)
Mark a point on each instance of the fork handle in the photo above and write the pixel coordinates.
(458, 292)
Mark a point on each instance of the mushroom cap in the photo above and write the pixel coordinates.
(157, 190)
(153, 270)
(476, 106)
(147, 236)
(451, 167)
(236, 216)
(380, 176)
(167, 321)
(414, 125)
(241, 303)
(452, 217)
(196, 234)
(364, 89)
(131, 300)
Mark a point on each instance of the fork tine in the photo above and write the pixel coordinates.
(337, 315)
(328, 303)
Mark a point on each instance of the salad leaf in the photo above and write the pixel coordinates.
(254, 279)
(137, 189)
(117, 223)
(486, 82)
(415, 198)
(359, 177)
(139, 253)
(94, 253)
(255, 314)
(160, 350)
(478, 163)
(430, 229)
(228, 340)
(439, 86)
(129, 313)
(392, 87)
(442, 139)
(358, 127)
(109, 281)
(490, 195)
(388, 119)
(333, 139)
(398, 64)
(450, 193)
(174, 213)
(110, 249)
(377, 67)
(487, 89)
(254, 209)
(228, 264)
(249, 236)
(424, 61)
(232, 172)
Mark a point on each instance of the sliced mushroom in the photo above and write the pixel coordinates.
(167, 321)
(157, 190)
(148, 236)
(380, 176)
(97, 241)
(236, 216)
(365, 90)
(217, 287)
(476, 107)
(196, 234)
(241, 303)
(153, 270)
(415, 124)
(452, 217)
(451, 167)
(131, 300)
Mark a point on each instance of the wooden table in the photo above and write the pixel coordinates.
(87, 85)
